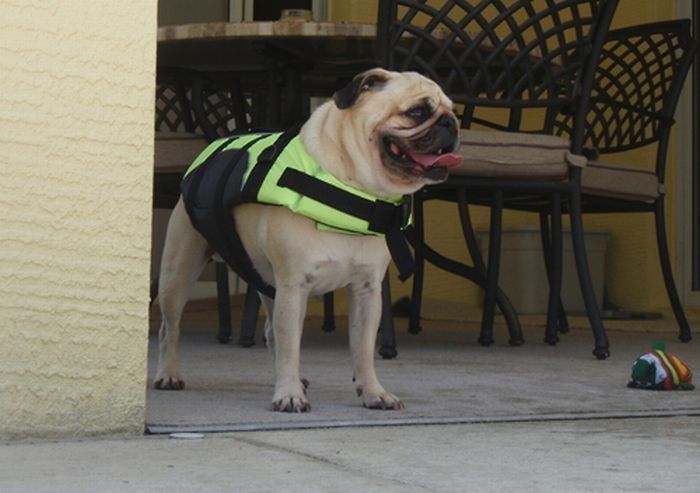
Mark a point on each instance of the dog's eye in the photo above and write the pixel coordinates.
(418, 113)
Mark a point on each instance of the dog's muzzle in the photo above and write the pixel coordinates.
(428, 155)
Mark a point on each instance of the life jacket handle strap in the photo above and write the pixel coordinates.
(265, 161)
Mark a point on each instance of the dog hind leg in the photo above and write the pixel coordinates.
(184, 258)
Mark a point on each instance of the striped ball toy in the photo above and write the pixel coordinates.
(660, 370)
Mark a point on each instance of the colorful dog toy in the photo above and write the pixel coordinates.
(660, 370)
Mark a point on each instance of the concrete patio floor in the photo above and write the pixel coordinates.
(442, 374)
(533, 419)
(651, 455)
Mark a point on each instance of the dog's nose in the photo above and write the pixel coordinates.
(446, 122)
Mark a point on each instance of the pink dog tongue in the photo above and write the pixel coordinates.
(448, 160)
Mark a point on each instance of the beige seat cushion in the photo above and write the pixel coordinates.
(618, 182)
(175, 151)
(525, 156)
(514, 155)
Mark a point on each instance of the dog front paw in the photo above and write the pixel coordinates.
(168, 383)
(291, 404)
(380, 400)
(292, 400)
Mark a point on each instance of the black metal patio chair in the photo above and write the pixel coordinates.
(525, 60)
(634, 95)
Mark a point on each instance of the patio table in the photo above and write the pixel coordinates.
(213, 44)
(293, 55)
(299, 56)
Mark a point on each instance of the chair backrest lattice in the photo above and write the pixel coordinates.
(637, 86)
(173, 110)
(196, 104)
(511, 54)
(221, 108)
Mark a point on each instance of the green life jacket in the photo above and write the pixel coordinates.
(276, 169)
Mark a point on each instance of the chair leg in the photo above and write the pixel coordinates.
(328, 312)
(387, 349)
(154, 290)
(555, 303)
(563, 326)
(601, 349)
(470, 272)
(414, 326)
(486, 335)
(504, 304)
(562, 319)
(223, 299)
(662, 243)
(251, 307)
(552, 250)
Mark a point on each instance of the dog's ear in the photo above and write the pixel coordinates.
(370, 80)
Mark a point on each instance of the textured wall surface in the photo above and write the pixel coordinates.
(76, 133)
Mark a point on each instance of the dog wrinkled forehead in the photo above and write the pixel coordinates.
(398, 83)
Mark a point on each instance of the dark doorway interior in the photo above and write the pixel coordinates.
(696, 156)
(270, 10)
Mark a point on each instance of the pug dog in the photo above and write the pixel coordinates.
(387, 134)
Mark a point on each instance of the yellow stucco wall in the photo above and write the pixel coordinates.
(76, 120)
(633, 276)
